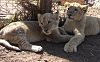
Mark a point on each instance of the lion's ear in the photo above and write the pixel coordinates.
(66, 4)
(84, 8)
(39, 16)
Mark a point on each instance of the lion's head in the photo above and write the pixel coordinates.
(48, 22)
(75, 11)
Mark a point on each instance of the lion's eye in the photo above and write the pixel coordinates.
(41, 23)
(49, 21)
(76, 9)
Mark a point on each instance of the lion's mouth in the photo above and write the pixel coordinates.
(70, 17)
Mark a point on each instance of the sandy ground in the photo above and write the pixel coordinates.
(88, 51)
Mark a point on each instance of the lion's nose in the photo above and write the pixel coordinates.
(69, 14)
(46, 30)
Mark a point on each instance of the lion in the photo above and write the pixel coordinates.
(50, 28)
(22, 33)
(78, 23)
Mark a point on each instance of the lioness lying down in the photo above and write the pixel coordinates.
(79, 24)
(24, 32)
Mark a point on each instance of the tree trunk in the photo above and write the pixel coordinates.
(45, 6)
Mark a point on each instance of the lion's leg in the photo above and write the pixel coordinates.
(71, 46)
(25, 45)
(57, 37)
(3, 41)
(62, 31)
(63, 38)
(76, 40)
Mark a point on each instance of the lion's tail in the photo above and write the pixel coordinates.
(8, 45)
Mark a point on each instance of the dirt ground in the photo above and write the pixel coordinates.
(88, 51)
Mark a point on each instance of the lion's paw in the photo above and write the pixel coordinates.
(70, 48)
(36, 48)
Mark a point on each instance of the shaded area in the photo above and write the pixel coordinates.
(88, 51)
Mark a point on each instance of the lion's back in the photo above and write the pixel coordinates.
(92, 25)
(30, 29)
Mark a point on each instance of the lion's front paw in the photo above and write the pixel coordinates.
(36, 48)
(70, 48)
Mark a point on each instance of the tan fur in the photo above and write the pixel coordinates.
(79, 24)
(49, 25)
(24, 32)
(21, 33)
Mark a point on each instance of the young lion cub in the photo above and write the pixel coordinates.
(79, 24)
(24, 32)
(49, 25)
